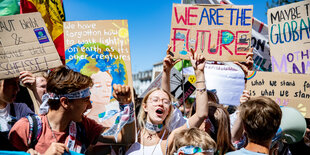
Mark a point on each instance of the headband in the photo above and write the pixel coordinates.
(73, 95)
(192, 150)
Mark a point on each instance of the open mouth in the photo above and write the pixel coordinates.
(159, 111)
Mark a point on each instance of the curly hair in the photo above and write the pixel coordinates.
(63, 81)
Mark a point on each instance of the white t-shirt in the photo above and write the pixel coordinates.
(5, 117)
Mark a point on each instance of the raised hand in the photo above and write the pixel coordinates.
(27, 79)
(244, 97)
(122, 93)
(168, 62)
(198, 61)
(248, 65)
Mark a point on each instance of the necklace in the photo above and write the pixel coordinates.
(153, 127)
(53, 134)
(157, 143)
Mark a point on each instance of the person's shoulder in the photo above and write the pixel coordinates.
(243, 151)
(23, 109)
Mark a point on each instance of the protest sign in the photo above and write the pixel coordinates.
(100, 49)
(219, 32)
(259, 40)
(289, 37)
(286, 89)
(176, 88)
(25, 45)
(227, 79)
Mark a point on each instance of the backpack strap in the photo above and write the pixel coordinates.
(35, 130)
(12, 110)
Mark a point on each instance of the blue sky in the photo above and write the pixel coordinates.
(148, 23)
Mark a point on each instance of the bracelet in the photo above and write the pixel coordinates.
(200, 81)
(201, 90)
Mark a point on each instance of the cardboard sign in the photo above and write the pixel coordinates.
(289, 37)
(100, 49)
(25, 45)
(219, 32)
(286, 89)
(176, 87)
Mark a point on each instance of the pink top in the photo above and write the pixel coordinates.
(20, 132)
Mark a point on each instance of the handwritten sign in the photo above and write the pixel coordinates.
(219, 32)
(286, 89)
(289, 37)
(100, 49)
(25, 45)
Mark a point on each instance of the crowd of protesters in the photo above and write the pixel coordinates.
(64, 96)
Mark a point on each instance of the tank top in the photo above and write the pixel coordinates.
(138, 149)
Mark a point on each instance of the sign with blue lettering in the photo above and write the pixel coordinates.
(219, 32)
(289, 37)
(25, 45)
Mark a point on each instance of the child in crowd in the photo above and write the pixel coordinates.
(10, 112)
(65, 127)
(193, 141)
(261, 118)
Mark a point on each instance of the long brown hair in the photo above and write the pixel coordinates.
(219, 117)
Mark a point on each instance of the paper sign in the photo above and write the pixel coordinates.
(286, 89)
(219, 32)
(100, 49)
(227, 79)
(289, 37)
(25, 45)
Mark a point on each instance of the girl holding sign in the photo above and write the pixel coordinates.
(154, 135)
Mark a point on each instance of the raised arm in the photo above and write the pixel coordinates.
(168, 63)
(122, 94)
(198, 63)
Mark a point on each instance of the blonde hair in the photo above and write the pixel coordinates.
(142, 114)
(192, 137)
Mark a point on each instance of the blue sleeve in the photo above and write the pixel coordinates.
(22, 110)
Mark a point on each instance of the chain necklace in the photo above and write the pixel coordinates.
(53, 134)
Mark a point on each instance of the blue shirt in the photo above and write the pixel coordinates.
(244, 151)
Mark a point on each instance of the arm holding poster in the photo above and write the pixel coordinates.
(122, 94)
(168, 63)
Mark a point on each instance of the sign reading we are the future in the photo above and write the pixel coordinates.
(219, 32)
(289, 37)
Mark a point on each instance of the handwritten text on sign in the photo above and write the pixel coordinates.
(289, 37)
(219, 32)
(25, 45)
(286, 89)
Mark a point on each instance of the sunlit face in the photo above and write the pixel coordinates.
(157, 107)
(78, 107)
(8, 90)
(101, 90)
(41, 86)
